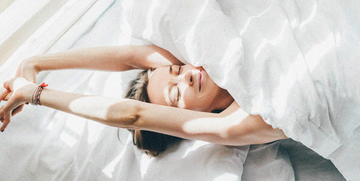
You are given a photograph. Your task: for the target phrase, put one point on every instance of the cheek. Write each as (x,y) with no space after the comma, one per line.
(189,101)
(194,102)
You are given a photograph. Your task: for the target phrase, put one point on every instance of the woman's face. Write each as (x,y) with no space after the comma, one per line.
(184,86)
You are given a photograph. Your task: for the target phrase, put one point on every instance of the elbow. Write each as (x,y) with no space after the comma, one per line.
(128,55)
(124,114)
(132,116)
(130,122)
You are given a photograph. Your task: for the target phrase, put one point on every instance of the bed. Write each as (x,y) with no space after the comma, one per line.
(44,144)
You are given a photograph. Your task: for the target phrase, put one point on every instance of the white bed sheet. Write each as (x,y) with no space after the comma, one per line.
(295,63)
(44,144)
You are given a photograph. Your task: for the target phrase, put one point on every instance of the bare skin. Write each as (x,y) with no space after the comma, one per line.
(231,127)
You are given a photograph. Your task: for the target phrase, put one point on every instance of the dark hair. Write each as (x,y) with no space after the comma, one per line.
(151,142)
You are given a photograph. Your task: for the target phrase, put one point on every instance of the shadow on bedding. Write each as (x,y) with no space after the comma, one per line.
(308,165)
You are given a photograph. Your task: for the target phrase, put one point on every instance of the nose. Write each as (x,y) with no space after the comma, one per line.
(187,78)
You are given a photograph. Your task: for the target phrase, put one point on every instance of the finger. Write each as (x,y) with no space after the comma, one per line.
(6,110)
(6,85)
(11,104)
(2,89)
(17,110)
(3,94)
(7,97)
(6,122)
(5,119)
(1,113)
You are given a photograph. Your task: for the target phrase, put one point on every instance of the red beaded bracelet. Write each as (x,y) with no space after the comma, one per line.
(35,100)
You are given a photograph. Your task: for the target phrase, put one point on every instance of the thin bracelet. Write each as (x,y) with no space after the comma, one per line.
(35,99)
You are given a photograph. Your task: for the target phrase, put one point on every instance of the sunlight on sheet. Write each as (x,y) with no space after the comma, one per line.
(311,17)
(94,130)
(66,127)
(227,176)
(149,20)
(68,139)
(190,37)
(73,123)
(125,35)
(294,23)
(145,162)
(194,147)
(114,86)
(251,18)
(314,55)
(338,39)
(73,129)
(286,82)
(317,52)
(109,169)
(232,52)
(51,125)
(274,41)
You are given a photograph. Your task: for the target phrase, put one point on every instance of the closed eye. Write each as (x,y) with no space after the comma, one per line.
(178,94)
(179,70)
(174,94)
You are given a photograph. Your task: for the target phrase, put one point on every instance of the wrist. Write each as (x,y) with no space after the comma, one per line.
(28,91)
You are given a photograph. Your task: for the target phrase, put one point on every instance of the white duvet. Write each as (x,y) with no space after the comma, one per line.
(295,63)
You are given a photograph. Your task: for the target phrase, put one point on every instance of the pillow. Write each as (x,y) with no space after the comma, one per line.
(195,160)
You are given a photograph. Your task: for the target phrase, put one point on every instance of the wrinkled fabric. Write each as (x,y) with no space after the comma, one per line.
(295,63)
(45,144)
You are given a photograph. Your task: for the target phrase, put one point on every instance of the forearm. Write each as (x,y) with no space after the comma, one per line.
(97,58)
(116,58)
(109,111)
(235,128)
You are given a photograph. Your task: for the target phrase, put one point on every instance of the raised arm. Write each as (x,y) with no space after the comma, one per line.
(232,127)
(116,58)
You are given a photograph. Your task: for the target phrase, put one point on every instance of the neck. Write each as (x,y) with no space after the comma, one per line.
(223,100)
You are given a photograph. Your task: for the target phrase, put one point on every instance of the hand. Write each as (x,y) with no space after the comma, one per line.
(28,71)
(17,92)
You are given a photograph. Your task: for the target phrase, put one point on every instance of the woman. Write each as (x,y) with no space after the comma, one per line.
(168,87)
(185,87)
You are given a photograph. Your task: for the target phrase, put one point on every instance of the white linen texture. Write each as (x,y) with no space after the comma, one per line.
(294,63)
